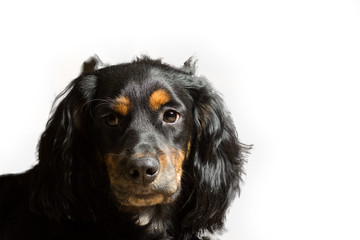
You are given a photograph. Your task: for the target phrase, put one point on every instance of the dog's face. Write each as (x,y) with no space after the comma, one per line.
(143,127)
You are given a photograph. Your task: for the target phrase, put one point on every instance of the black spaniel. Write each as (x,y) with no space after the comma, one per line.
(140,150)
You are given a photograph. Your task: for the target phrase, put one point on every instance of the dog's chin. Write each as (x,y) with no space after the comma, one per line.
(146,200)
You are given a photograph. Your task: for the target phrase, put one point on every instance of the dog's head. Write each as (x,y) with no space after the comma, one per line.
(141,134)
(142,120)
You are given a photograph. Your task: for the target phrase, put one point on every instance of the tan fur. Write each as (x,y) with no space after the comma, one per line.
(122,105)
(158,98)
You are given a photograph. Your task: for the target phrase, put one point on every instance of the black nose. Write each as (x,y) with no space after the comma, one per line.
(143,170)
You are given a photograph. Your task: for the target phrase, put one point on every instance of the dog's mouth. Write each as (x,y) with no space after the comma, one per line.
(150,199)
(145,198)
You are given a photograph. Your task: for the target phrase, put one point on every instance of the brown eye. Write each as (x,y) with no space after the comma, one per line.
(171,116)
(111,120)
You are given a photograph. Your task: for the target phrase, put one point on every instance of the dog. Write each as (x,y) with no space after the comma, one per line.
(140,150)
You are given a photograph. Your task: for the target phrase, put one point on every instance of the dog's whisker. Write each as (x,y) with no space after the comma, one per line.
(101,102)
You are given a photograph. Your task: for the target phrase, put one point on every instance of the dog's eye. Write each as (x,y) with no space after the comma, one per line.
(171,116)
(111,120)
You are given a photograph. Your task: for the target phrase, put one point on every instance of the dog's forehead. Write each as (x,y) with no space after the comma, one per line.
(142,86)
(132,78)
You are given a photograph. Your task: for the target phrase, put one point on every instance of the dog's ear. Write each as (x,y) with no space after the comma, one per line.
(59,145)
(217,160)
(190,66)
(92,64)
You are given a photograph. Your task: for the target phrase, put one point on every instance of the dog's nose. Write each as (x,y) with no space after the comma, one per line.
(143,170)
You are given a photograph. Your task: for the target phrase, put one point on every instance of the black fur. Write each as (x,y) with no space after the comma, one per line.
(69,195)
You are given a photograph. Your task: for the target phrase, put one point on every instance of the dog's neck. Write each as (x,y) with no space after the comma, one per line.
(145,216)
(149,217)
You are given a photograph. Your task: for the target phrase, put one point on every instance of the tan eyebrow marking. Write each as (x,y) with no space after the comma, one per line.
(122,105)
(158,98)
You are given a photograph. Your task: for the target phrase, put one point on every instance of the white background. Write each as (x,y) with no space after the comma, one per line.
(288,70)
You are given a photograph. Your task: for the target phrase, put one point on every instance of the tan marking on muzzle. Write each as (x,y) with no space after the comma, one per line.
(188,149)
(110,166)
(179,160)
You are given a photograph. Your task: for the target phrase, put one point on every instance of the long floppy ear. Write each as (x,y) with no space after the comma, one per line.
(216,161)
(59,148)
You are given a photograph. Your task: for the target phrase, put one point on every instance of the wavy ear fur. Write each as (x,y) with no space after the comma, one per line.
(217,160)
(59,145)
